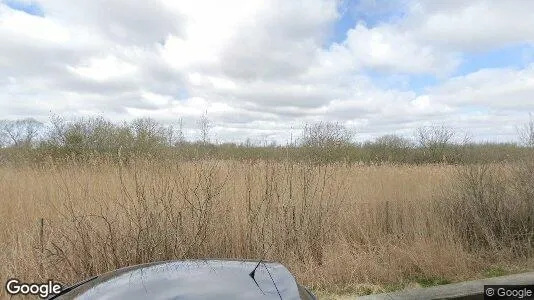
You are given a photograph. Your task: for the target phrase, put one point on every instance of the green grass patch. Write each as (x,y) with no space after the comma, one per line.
(425,281)
(495,272)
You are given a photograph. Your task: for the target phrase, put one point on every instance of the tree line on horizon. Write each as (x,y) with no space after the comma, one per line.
(319,141)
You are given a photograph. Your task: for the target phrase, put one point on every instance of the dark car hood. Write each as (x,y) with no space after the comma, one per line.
(192,279)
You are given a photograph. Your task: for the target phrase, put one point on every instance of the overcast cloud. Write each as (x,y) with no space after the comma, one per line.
(261,69)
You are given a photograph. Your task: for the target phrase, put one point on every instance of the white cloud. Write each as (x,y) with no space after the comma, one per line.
(434,34)
(387,48)
(122,21)
(103,69)
(260,68)
(19,25)
(473,25)
(492,88)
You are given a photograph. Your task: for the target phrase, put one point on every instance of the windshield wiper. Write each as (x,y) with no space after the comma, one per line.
(253,275)
(70,288)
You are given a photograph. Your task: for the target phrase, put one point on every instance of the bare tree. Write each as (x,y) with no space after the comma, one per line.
(86,134)
(148,133)
(204,125)
(4,139)
(526,132)
(325,134)
(57,130)
(248,143)
(170,135)
(434,140)
(175,135)
(392,141)
(180,139)
(468,139)
(20,133)
(434,136)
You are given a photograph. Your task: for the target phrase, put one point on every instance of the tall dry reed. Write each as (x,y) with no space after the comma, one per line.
(338,227)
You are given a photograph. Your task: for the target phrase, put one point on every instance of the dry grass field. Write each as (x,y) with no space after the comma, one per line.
(341,229)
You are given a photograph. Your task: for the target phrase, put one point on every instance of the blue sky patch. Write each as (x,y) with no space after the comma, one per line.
(182,94)
(376,12)
(507,57)
(370,12)
(29,7)
(417,83)
(341,27)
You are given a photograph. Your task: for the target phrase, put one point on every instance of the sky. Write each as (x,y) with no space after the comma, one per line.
(262,69)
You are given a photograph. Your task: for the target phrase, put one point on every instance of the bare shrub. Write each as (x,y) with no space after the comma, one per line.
(392,141)
(179,136)
(333,225)
(491,208)
(325,142)
(325,135)
(434,136)
(526,133)
(204,125)
(322,142)
(86,137)
(434,140)
(148,134)
(159,217)
(390,148)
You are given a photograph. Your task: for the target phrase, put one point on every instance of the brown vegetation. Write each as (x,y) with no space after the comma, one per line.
(339,227)
(28,141)
(81,197)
